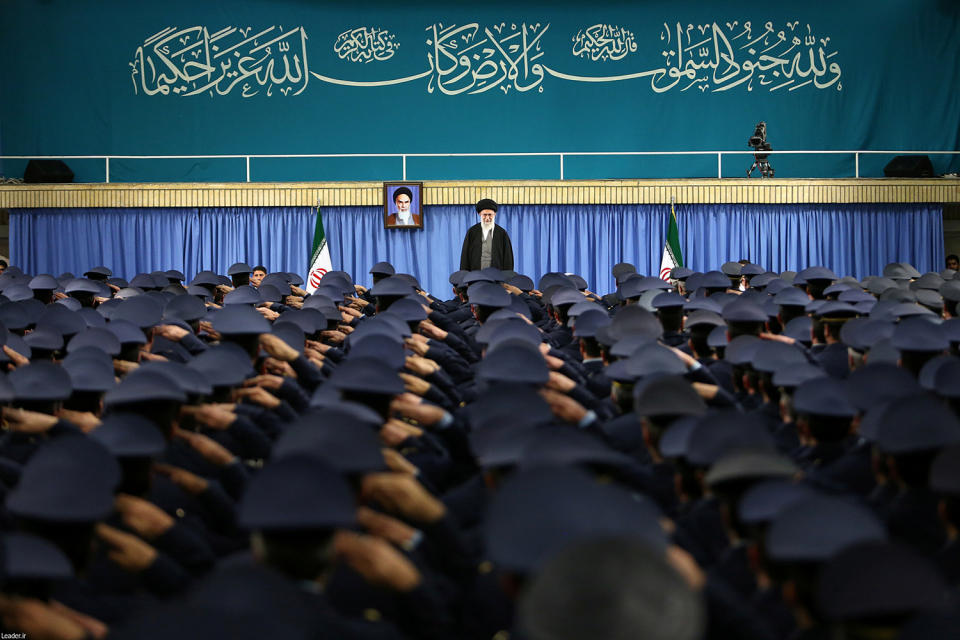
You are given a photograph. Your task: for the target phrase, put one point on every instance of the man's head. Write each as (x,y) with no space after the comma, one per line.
(402,198)
(487,209)
(953,262)
(259,273)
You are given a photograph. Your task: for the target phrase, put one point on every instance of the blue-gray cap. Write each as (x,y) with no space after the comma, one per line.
(31,558)
(571,506)
(379,347)
(879,381)
(565,296)
(921,335)
(771,356)
(514,331)
(795,374)
(862,333)
(383,269)
(128,435)
(762,502)
(126,332)
(102,339)
(142,311)
(521,363)
(90,374)
(588,322)
(800,329)
(223,365)
(916,423)
(240,319)
(816,273)
(723,432)
(823,397)
(634,287)
(244,294)
(239,267)
(44,337)
(668,300)
(338,438)
(750,465)
(393,286)
(741,349)
(294,494)
(187,308)
(633,320)
(41,381)
(791,297)
(144,387)
(667,395)
(744,311)
(366,375)
(488,295)
(817,528)
(69,479)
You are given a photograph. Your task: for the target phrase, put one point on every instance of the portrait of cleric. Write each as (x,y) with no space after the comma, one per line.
(402,205)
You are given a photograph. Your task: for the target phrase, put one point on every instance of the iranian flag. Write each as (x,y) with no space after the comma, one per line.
(672,256)
(319,258)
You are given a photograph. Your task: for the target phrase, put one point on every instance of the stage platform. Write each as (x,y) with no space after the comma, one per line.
(346,194)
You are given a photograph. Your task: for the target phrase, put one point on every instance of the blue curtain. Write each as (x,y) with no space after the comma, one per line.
(131,241)
(852,239)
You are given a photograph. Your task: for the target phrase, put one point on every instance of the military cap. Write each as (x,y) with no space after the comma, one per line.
(633,320)
(703,304)
(834,310)
(174,275)
(928,373)
(862,333)
(7,394)
(187,308)
(456,278)
(142,311)
(82,285)
(392,286)
(98,271)
(493,273)
(508,407)
(91,319)
(681,273)
(762,502)
(731,269)
(627,345)
(366,375)
(511,332)
(668,300)
(391,321)
(584,305)
(668,395)
(770,356)
(44,337)
(703,318)
(816,273)
(776,285)
(14,316)
(714,280)
(879,380)
(486,203)
(65,320)
(692,283)
(522,282)
(747,464)
(722,432)
(588,322)
(675,440)
(128,435)
(621,268)
(554,279)
(502,446)
(382,269)
(27,557)
(655,359)
(379,347)
(239,267)
(206,278)
(339,279)
(718,337)
(621,371)
(929,280)
(40,381)
(817,528)
(408,278)
(297,493)
(102,339)
(409,310)
(117,282)
(240,320)
(371,328)
(294,278)
(244,294)
(898,294)
(223,365)
(916,423)
(877,286)
(950,290)
(570,506)
(751,269)
(144,387)
(470,277)
(634,287)
(878,579)
(884,351)
(791,296)
(144,281)
(323,304)
(946,379)
(853,296)
(69,479)
(33,308)
(126,332)
(339,439)
(566,446)
(189,381)
(489,295)
(18,292)
(799,329)
(565,296)
(90,374)
(514,361)
(823,397)
(793,375)
(310,321)
(930,299)
(198,291)
(918,334)
(741,349)
(744,311)
(763,280)
(645,300)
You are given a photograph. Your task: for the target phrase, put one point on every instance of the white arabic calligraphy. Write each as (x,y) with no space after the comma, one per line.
(365,44)
(604,42)
(191,61)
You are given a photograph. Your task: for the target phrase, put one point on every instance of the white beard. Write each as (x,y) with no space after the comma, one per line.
(486,228)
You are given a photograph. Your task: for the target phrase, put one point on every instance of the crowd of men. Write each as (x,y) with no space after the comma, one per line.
(733,454)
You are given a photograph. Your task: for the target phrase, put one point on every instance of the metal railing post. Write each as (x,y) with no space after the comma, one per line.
(856,164)
(404,166)
(719,165)
(106,169)
(561,166)
(248,168)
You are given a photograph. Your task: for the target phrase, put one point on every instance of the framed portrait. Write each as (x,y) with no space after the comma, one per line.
(403,205)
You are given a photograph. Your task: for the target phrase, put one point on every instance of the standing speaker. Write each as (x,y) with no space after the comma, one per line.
(47,171)
(909,167)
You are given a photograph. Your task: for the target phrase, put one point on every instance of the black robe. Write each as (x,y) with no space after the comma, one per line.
(501,253)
